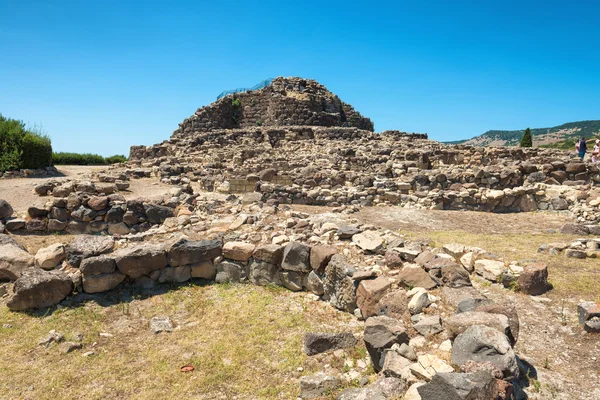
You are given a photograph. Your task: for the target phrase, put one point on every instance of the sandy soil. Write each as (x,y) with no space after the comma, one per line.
(397,218)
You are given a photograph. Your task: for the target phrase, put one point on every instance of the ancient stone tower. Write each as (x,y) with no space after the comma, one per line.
(285,102)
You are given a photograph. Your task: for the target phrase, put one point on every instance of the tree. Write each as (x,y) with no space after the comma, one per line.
(526,141)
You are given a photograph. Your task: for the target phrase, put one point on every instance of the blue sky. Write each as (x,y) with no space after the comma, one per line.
(101,76)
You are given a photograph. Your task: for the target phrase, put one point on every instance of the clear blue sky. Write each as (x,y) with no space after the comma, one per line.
(100,76)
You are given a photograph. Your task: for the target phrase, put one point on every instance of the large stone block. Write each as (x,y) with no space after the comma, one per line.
(140,261)
(36,288)
(185,252)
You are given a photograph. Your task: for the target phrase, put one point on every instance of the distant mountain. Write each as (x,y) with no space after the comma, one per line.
(562,136)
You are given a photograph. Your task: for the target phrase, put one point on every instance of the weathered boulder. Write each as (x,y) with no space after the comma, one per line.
(269,253)
(238,251)
(185,252)
(103,264)
(366,393)
(484,344)
(588,313)
(429,325)
(263,273)
(457,386)
(394,304)
(339,288)
(412,275)
(369,293)
(36,288)
(230,272)
(368,241)
(157,214)
(296,257)
(315,343)
(49,257)
(418,301)
(454,275)
(140,261)
(84,246)
(102,282)
(314,283)
(534,279)
(318,385)
(458,323)
(320,255)
(161,323)
(175,274)
(382,333)
(14,259)
(292,280)
(5,209)
(490,269)
(98,203)
(204,270)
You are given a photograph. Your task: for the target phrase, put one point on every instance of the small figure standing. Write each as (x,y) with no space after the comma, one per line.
(596,152)
(581,147)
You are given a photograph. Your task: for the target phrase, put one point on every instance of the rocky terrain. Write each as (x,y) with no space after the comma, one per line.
(298,201)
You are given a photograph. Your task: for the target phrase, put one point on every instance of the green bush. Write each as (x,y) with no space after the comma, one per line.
(117,158)
(37,151)
(21,147)
(63,158)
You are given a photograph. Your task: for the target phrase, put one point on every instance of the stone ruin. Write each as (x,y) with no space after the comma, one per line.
(294,142)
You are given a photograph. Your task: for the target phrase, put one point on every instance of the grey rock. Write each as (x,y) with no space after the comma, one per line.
(269,253)
(367,393)
(459,323)
(291,280)
(36,288)
(263,273)
(98,265)
(429,325)
(382,333)
(161,324)
(230,272)
(185,252)
(317,385)
(484,344)
(84,246)
(296,257)
(175,274)
(339,288)
(315,342)
(458,386)
(314,283)
(101,282)
(6,210)
(14,259)
(157,214)
(135,262)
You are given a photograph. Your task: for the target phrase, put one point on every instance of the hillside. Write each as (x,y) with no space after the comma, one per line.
(554,136)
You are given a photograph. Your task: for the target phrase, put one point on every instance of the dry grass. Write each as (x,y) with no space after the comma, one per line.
(244,342)
(571,278)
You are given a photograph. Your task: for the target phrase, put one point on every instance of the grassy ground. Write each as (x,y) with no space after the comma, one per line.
(244,342)
(579,279)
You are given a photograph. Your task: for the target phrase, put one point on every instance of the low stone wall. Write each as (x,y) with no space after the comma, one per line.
(30,173)
(82,212)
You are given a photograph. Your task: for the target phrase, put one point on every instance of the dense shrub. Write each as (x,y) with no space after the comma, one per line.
(117,158)
(21,147)
(85,159)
